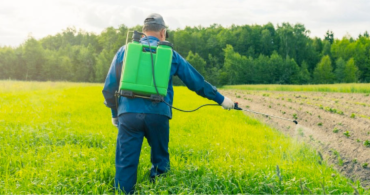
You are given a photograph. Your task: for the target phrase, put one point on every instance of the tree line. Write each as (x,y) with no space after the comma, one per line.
(247,54)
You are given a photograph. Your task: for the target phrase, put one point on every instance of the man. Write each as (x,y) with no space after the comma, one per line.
(138,118)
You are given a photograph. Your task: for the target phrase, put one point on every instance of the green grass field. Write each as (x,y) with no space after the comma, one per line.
(58,138)
(344,88)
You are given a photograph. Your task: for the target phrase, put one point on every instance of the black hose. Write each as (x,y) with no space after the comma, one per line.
(151,57)
(190,110)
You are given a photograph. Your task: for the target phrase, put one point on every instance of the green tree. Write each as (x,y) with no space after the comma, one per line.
(66,69)
(8,62)
(261,72)
(83,60)
(350,72)
(291,73)
(326,48)
(360,53)
(213,68)
(33,59)
(329,36)
(304,74)
(50,68)
(274,69)
(323,71)
(286,35)
(103,62)
(181,42)
(197,62)
(232,66)
(267,39)
(339,70)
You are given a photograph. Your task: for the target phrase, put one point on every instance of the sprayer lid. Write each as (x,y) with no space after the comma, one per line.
(165,43)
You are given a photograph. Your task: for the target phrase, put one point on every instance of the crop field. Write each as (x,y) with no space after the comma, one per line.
(336,124)
(57,138)
(343,88)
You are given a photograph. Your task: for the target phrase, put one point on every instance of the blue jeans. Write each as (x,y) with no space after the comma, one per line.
(133,127)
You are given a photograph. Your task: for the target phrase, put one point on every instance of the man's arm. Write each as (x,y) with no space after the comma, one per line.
(195,81)
(112,82)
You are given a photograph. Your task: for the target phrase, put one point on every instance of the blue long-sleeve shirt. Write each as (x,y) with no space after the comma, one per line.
(180,67)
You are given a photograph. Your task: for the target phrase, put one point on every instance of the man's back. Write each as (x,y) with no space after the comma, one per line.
(179,67)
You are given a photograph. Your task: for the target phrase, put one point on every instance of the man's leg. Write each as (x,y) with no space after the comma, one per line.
(157,133)
(129,141)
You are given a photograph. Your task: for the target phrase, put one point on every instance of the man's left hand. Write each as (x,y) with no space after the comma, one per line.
(227,104)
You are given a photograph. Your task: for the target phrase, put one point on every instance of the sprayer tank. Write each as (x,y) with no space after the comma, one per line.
(137,69)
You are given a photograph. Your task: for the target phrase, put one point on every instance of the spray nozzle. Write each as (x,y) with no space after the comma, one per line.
(236,106)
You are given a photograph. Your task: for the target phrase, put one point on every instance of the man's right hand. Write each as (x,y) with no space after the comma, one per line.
(227,104)
(115,122)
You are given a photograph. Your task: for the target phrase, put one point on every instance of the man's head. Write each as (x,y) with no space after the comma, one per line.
(154,26)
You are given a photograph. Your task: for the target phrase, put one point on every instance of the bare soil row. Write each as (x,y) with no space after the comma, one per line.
(336,124)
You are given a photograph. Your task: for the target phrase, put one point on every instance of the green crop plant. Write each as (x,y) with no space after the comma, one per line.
(367,143)
(340,160)
(335,130)
(347,134)
(364,165)
(333,110)
(57,138)
(353,115)
(319,124)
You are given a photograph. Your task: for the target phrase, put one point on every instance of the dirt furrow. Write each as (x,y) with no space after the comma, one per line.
(340,137)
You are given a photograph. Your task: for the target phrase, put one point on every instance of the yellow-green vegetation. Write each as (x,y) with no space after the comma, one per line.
(343,88)
(58,138)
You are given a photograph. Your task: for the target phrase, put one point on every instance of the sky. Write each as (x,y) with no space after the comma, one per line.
(20,19)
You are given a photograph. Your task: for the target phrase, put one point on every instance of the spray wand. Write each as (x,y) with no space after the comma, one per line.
(236,107)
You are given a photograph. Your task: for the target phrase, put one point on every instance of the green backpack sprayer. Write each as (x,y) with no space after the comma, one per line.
(146,69)
(146,73)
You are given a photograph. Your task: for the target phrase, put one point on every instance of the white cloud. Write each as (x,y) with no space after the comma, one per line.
(18,18)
